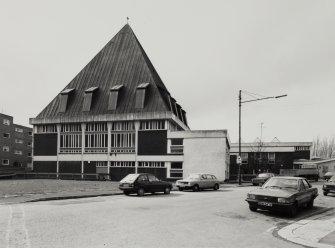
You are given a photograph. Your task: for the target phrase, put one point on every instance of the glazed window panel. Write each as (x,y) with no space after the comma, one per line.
(96,127)
(45,129)
(6,122)
(152,164)
(67,128)
(5,162)
(96,140)
(152,125)
(122,140)
(122,164)
(123,126)
(70,140)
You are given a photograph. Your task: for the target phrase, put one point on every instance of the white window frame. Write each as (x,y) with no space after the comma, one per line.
(5,163)
(5,149)
(19,130)
(18,152)
(6,122)
(18,141)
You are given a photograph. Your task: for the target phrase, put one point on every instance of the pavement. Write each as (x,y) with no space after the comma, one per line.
(315,231)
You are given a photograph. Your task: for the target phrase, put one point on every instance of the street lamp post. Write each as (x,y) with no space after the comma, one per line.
(239,160)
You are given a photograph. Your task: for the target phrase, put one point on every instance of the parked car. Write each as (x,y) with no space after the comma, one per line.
(198,181)
(143,183)
(261,178)
(329,186)
(328,175)
(283,194)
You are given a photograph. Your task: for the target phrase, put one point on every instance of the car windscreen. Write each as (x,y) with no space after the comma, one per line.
(332,179)
(329,174)
(285,183)
(193,176)
(130,178)
(263,175)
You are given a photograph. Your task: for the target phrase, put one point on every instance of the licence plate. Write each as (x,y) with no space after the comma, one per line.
(267,204)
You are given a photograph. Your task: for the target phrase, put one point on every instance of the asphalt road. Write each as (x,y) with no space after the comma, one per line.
(181,219)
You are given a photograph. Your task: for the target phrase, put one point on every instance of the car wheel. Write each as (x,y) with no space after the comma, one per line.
(294,210)
(140,192)
(252,208)
(216,187)
(126,192)
(196,187)
(325,193)
(180,189)
(310,204)
(167,190)
(254,184)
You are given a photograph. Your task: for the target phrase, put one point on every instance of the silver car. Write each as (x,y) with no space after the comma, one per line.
(198,181)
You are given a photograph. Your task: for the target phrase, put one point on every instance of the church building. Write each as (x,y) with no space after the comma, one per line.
(117,117)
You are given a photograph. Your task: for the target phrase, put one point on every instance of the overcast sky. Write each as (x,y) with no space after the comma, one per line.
(204,51)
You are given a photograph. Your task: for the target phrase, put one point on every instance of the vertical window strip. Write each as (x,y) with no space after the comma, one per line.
(70,140)
(46,129)
(152,125)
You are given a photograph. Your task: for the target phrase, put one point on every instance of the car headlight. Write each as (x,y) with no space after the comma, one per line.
(251,196)
(285,200)
(324,186)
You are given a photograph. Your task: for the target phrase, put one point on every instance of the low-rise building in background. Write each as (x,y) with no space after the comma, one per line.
(260,157)
(15,144)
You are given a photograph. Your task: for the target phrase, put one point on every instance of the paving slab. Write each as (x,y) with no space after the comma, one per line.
(316,231)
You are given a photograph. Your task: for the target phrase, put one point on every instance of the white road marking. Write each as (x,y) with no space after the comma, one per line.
(17,233)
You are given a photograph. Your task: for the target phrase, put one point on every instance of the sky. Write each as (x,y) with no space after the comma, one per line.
(204,51)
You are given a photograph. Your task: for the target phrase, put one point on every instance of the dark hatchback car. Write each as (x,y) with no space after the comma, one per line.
(329,187)
(283,194)
(261,178)
(328,175)
(143,183)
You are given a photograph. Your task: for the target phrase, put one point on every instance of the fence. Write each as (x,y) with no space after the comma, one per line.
(64,176)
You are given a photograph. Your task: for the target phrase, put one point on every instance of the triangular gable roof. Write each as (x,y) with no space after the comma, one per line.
(122,61)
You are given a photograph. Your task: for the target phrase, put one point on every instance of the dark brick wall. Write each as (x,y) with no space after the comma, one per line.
(152,142)
(90,167)
(69,167)
(302,155)
(45,144)
(45,166)
(117,173)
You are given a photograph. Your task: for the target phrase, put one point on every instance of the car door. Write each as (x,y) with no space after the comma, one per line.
(143,182)
(303,196)
(155,184)
(309,190)
(210,181)
(203,181)
(301,193)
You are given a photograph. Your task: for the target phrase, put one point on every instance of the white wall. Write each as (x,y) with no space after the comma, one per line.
(206,154)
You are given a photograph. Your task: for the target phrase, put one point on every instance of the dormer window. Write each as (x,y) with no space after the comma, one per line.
(63,101)
(184,116)
(140,95)
(88,98)
(114,96)
(179,113)
(173,106)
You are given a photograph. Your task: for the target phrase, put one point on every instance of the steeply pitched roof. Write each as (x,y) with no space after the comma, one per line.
(121,62)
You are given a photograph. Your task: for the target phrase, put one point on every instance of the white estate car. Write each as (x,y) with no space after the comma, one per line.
(198,181)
